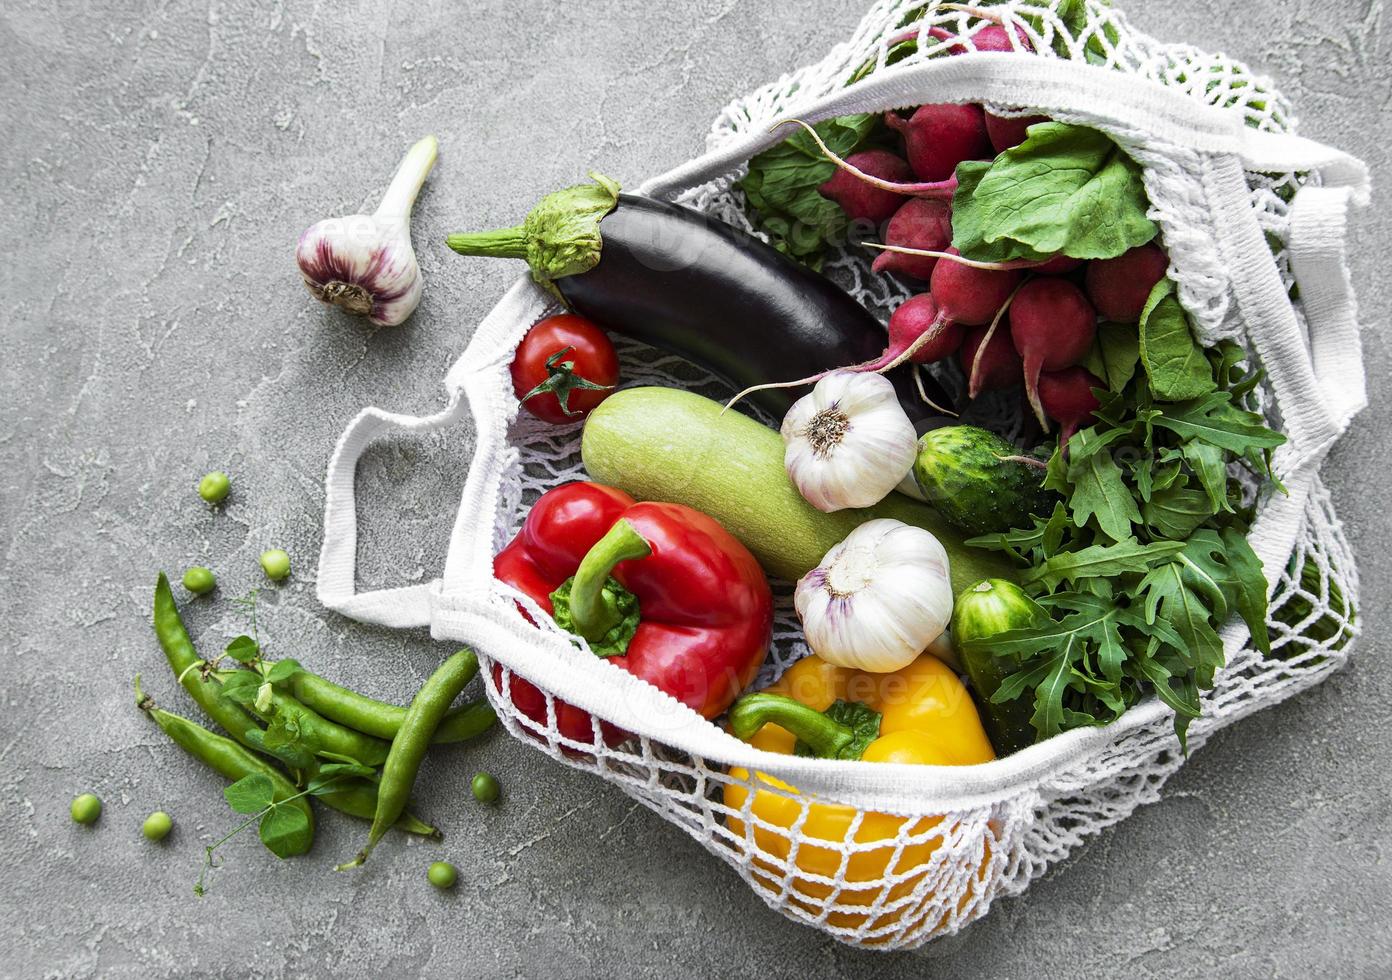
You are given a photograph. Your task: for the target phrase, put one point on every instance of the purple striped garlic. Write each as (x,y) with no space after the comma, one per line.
(879,598)
(364,263)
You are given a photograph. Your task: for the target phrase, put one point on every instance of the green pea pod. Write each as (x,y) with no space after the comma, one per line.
(423,717)
(358,798)
(294,756)
(470,720)
(232,762)
(323,737)
(183,659)
(378,718)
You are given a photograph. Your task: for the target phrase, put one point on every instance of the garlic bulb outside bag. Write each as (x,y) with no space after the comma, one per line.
(848,442)
(879,599)
(364,263)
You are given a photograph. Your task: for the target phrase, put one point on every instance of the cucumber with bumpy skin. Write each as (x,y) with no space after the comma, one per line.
(982,611)
(676,446)
(979,482)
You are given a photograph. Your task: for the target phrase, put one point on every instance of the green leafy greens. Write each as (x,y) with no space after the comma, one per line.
(1147,556)
(1065,189)
(781,186)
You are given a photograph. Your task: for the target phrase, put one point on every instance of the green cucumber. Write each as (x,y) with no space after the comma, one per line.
(676,446)
(981,611)
(979,482)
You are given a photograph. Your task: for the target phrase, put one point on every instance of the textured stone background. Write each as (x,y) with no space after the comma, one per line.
(159,160)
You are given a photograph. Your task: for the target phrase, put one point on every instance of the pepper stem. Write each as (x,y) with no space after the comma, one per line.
(593,609)
(410,175)
(505,243)
(827,738)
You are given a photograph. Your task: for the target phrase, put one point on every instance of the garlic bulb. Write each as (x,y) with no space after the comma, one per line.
(879,598)
(364,263)
(849,442)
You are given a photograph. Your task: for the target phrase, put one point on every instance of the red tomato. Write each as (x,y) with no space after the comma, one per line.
(564,362)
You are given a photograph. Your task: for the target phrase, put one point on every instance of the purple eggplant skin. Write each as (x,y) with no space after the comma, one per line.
(695,286)
(692,285)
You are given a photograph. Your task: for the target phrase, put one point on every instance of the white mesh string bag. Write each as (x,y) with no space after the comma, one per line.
(1248,212)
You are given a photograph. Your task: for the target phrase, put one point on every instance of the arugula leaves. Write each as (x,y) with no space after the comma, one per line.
(1066,189)
(1146,557)
(781,186)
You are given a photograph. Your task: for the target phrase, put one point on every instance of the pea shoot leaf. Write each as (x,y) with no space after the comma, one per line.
(282,670)
(285,830)
(240,685)
(293,755)
(243,649)
(1174,362)
(283,730)
(1066,189)
(250,794)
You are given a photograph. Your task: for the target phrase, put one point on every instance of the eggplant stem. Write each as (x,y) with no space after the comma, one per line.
(939,189)
(973,377)
(1011,266)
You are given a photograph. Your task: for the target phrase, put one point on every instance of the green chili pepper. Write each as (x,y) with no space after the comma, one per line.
(383,720)
(412,739)
(231,761)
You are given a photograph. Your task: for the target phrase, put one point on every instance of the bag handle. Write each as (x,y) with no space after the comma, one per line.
(1053,85)
(1317,249)
(407,606)
(473,381)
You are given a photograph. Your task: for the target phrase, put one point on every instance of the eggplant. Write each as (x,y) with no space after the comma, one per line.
(692,285)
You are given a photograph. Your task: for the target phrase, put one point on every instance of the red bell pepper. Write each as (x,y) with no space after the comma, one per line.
(661,590)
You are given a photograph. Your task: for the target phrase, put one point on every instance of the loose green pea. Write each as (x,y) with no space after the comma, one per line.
(275,563)
(199,580)
(86,808)
(442,875)
(214,487)
(484,787)
(157,825)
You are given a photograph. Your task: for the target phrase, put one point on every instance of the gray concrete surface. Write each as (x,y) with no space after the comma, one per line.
(158,161)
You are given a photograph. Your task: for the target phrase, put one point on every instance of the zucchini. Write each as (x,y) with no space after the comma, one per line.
(981,611)
(676,446)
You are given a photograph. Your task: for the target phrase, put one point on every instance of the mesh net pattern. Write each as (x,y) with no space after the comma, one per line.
(896,881)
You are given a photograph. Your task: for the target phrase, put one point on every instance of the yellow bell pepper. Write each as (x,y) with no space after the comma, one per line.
(920,714)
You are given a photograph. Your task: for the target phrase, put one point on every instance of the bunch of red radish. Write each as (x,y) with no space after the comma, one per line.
(1009,322)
